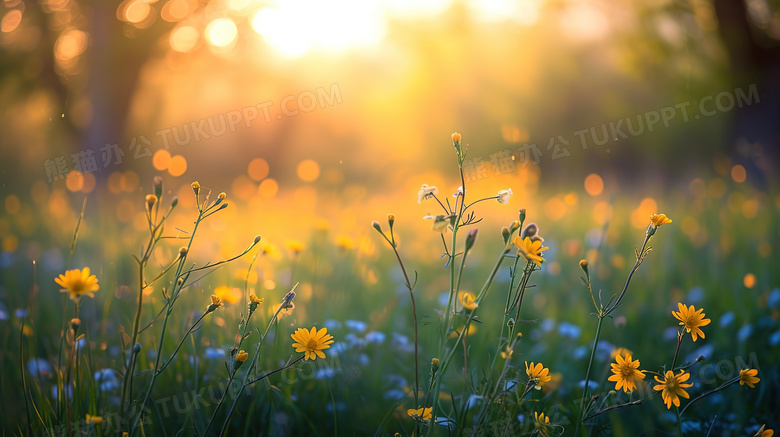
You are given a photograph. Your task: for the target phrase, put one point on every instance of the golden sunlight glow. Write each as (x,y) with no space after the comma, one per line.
(221,32)
(584,23)
(294,28)
(523,12)
(416,9)
(184,38)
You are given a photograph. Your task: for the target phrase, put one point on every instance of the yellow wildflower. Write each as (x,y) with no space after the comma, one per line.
(78,283)
(671,387)
(530,250)
(692,319)
(538,373)
(748,376)
(466,299)
(420,413)
(626,373)
(311,343)
(659,219)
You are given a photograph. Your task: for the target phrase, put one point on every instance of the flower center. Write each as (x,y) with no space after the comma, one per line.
(627,372)
(311,345)
(77,285)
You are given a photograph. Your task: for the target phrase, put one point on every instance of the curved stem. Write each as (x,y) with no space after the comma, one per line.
(170,360)
(704,395)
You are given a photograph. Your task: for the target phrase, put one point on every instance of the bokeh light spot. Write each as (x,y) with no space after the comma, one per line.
(177,166)
(89,183)
(738,173)
(268,188)
(183,39)
(640,218)
(74,181)
(137,11)
(750,208)
(749,280)
(221,32)
(129,181)
(258,169)
(12,204)
(555,208)
(161,159)
(308,170)
(697,187)
(70,44)
(11,20)
(594,185)
(243,187)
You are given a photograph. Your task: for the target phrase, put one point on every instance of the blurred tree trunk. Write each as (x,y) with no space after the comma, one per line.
(754,59)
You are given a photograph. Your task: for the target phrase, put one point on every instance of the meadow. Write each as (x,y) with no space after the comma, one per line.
(426,311)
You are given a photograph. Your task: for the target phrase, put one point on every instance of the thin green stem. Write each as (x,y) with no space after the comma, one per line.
(587,374)
(445,362)
(170,360)
(704,395)
(254,362)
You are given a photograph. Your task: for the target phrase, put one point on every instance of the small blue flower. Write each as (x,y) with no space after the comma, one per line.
(214,353)
(726,319)
(375,337)
(356,325)
(744,332)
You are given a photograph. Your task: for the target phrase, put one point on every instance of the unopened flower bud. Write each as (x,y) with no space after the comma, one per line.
(183,252)
(505,233)
(137,348)
(456,137)
(529,231)
(195,187)
(471,238)
(391,220)
(435,362)
(521,215)
(376,226)
(151,199)
(584,266)
(511,322)
(222,196)
(75,323)
(257,239)
(158,186)
(515,226)
(174,201)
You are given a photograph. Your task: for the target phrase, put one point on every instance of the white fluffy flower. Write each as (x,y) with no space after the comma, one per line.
(504,195)
(426,191)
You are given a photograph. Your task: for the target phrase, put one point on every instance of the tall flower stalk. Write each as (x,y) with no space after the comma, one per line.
(604,310)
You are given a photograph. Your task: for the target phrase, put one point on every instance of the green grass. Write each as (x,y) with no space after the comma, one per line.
(364,387)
